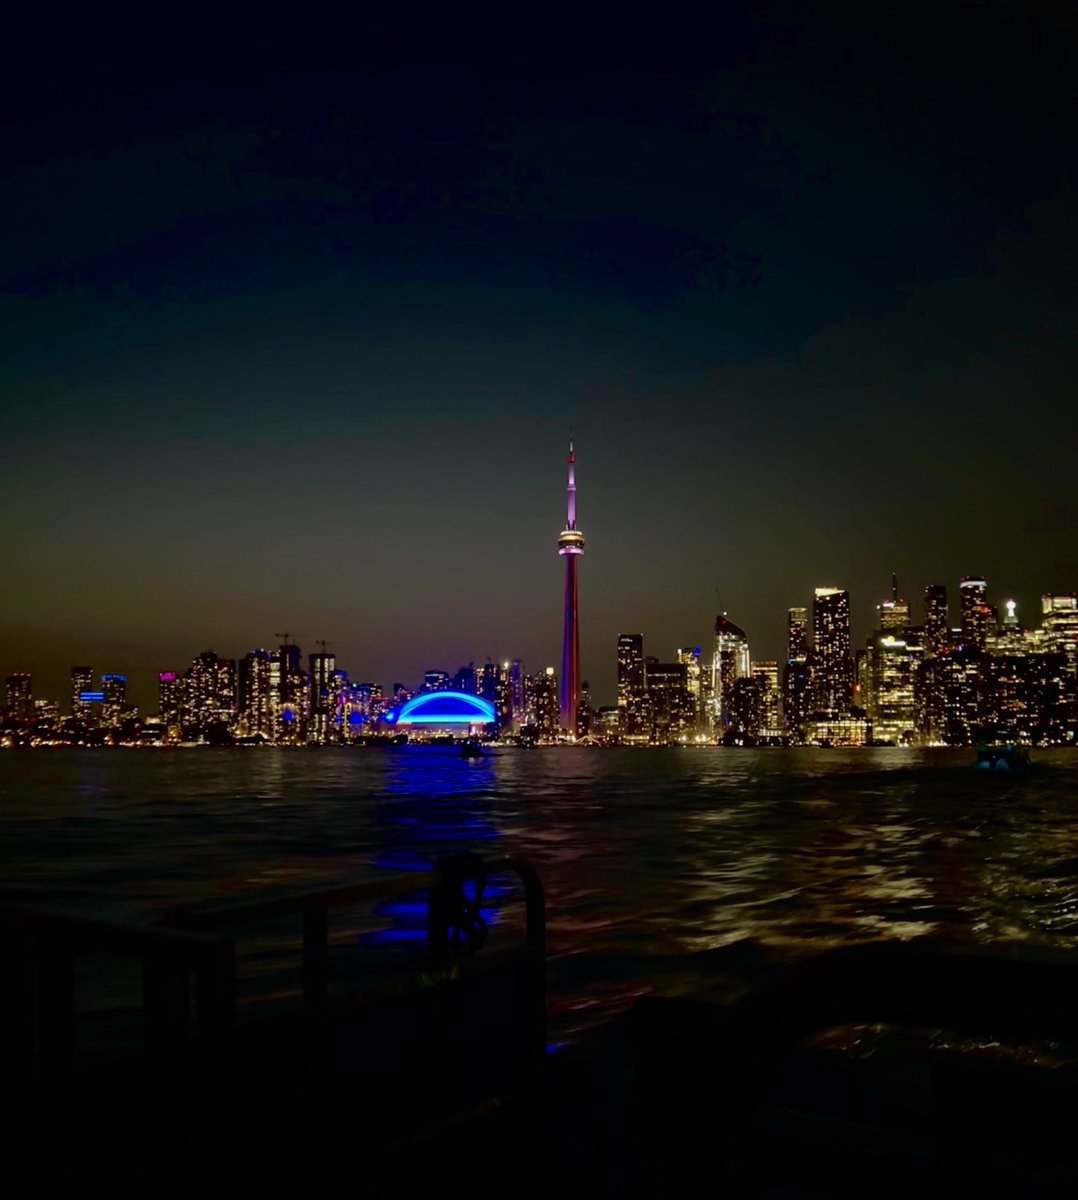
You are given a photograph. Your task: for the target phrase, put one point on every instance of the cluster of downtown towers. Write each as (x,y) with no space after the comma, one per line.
(920,681)
(916,681)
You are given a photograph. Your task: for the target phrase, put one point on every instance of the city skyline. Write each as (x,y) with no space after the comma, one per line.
(299,349)
(964,606)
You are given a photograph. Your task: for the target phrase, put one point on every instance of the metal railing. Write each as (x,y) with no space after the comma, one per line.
(1012,993)
(38,995)
(38,1003)
(444,887)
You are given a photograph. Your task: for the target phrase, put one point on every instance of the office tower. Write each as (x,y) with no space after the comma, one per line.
(893,664)
(254,699)
(767,674)
(669,704)
(20,700)
(690,657)
(1059,635)
(584,710)
(516,683)
(114,701)
(949,694)
(937,635)
(570,547)
(729,663)
(547,704)
(209,696)
(795,675)
(169,697)
(466,680)
(976,614)
(435,681)
(82,680)
(831,665)
(631,695)
(893,614)
(1059,625)
(797,640)
(486,683)
(320,705)
(745,711)
(289,690)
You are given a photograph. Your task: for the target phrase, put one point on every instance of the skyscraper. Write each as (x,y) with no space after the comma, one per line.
(729,663)
(20,700)
(631,684)
(115,689)
(797,642)
(937,638)
(169,694)
(831,664)
(322,668)
(570,547)
(255,697)
(976,614)
(893,614)
(82,680)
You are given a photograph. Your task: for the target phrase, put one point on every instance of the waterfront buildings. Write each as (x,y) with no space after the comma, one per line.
(632,712)
(730,662)
(937,631)
(831,666)
(19,696)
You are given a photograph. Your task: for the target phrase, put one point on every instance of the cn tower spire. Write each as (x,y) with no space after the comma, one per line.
(571,519)
(570,547)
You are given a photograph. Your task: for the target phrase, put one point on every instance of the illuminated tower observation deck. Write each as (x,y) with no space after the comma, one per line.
(570,547)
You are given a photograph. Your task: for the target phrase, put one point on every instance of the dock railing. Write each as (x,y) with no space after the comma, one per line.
(38,994)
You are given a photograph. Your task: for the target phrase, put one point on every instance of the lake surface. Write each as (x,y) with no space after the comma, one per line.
(646,854)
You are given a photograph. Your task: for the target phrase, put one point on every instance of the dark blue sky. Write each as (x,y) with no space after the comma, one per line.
(295,326)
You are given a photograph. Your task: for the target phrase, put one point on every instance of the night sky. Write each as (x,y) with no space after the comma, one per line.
(296,322)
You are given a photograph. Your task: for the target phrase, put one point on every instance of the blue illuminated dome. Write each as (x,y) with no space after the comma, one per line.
(443,708)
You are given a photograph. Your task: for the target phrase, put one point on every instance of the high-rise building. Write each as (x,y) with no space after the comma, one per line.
(831,664)
(937,634)
(435,681)
(976,613)
(892,664)
(570,547)
(289,691)
(729,663)
(209,696)
(671,712)
(20,700)
(893,614)
(797,638)
(516,682)
(546,703)
(115,700)
(322,668)
(169,697)
(795,676)
(631,694)
(82,680)
(767,675)
(466,680)
(255,699)
(690,657)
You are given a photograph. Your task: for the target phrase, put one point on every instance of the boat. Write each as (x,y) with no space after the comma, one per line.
(1002,758)
(470,748)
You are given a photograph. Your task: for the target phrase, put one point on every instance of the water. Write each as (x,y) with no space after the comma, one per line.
(646,855)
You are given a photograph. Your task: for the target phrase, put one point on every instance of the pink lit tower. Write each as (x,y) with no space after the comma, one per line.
(570,547)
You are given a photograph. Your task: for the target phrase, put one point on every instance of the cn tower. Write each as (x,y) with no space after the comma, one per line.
(570,547)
